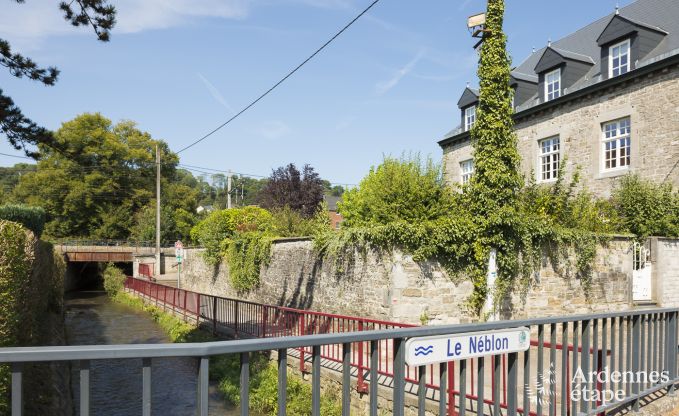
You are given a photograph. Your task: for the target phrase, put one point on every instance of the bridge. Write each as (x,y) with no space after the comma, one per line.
(370,355)
(80,251)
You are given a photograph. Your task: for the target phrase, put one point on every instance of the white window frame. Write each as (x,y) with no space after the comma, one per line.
(556,92)
(549,158)
(469,117)
(616,144)
(619,68)
(466,171)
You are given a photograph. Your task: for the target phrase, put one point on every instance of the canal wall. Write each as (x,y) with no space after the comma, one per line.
(392,286)
(31,314)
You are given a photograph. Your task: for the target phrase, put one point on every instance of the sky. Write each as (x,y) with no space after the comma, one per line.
(179,68)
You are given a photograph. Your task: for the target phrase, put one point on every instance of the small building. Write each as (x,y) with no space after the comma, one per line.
(335,217)
(605,97)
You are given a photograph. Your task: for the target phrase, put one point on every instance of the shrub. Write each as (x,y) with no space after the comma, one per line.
(214,231)
(114,280)
(646,208)
(30,217)
(405,189)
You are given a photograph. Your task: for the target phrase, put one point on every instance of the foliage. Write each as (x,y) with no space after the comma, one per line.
(20,130)
(31,291)
(214,232)
(175,224)
(397,190)
(246,253)
(287,186)
(9,178)
(96,194)
(647,209)
(286,222)
(32,218)
(114,279)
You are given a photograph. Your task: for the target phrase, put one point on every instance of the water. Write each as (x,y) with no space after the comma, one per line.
(116,385)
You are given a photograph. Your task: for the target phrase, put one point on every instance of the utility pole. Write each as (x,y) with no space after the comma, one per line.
(228,190)
(158,254)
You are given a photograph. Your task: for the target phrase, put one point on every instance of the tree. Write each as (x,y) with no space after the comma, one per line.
(20,130)
(113,178)
(287,186)
(397,190)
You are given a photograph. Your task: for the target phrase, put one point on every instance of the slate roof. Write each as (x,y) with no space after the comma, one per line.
(659,15)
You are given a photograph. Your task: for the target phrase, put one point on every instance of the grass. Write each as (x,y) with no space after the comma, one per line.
(225,369)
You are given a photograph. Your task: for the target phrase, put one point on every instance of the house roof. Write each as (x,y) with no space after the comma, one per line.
(658,15)
(332,201)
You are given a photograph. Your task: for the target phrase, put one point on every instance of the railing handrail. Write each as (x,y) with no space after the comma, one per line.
(206,349)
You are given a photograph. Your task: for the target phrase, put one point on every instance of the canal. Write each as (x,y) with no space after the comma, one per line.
(116,385)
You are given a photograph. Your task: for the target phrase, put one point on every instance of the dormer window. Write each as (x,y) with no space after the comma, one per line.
(618,56)
(553,84)
(469,117)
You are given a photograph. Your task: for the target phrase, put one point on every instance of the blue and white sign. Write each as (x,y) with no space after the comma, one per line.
(442,348)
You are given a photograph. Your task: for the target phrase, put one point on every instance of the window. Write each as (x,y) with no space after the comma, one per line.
(549,158)
(469,117)
(467,170)
(616,144)
(618,59)
(553,85)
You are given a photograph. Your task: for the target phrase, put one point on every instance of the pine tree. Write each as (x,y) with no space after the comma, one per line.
(19,129)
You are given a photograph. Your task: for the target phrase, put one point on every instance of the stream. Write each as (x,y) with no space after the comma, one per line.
(116,385)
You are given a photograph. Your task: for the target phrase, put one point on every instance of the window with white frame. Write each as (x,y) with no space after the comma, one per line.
(466,171)
(549,158)
(553,85)
(618,59)
(616,144)
(469,117)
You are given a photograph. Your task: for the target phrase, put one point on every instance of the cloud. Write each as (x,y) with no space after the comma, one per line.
(40,19)
(383,87)
(274,130)
(215,93)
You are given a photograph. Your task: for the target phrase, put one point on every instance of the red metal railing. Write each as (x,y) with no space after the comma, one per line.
(249,319)
(145,270)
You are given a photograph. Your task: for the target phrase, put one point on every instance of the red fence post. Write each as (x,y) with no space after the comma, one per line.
(235,317)
(451,389)
(186,317)
(197,308)
(302,363)
(265,316)
(214,315)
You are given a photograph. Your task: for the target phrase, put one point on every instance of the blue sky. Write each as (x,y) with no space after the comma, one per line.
(179,68)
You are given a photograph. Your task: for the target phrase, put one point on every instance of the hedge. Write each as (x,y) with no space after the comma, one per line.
(32,218)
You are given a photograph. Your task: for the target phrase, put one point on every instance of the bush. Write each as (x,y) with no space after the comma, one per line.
(213,232)
(114,280)
(646,208)
(405,189)
(32,218)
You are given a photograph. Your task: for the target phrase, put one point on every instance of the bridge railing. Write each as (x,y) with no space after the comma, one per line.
(647,342)
(594,343)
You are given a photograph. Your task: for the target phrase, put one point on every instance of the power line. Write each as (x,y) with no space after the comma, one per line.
(246,108)
(17,156)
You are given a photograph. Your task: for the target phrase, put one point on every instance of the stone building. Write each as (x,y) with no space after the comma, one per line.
(604,98)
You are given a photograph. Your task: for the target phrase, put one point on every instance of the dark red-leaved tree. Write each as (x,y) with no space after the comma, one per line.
(287,186)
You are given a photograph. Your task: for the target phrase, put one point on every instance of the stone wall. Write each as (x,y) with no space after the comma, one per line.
(650,103)
(393,287)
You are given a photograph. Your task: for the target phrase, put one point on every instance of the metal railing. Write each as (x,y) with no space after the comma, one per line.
(639,341)
(596,343)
